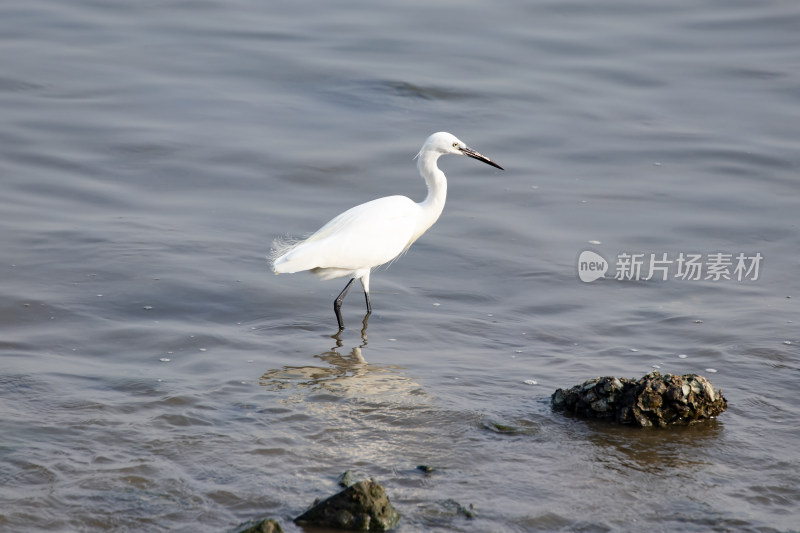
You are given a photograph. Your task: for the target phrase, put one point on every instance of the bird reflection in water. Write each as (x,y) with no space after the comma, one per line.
(347,373)
(338,334)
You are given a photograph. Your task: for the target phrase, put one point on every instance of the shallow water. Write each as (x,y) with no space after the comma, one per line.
(157,377)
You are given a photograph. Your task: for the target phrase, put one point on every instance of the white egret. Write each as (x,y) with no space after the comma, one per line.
(376,232)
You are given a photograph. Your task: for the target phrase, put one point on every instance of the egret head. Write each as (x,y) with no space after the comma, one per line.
(447,143)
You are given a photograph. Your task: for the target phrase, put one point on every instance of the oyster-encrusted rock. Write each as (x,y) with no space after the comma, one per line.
(654,400)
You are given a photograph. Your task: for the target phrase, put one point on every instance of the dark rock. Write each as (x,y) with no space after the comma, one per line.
(426,468)
(262,525)
(469,512)
(363,506)
(654,400)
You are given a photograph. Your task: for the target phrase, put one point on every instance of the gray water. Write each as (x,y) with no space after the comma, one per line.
(155,375)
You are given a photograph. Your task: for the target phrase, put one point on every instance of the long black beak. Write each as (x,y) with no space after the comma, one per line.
(480,157)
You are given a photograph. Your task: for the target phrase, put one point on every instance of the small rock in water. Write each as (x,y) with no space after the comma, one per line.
(261,525)
(654,400)
(363,506)
(426,468)
(469,512)
(346,479)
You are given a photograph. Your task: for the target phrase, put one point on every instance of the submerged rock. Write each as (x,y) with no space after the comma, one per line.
(362,506)
(469,512)
(654,400)
(262,525)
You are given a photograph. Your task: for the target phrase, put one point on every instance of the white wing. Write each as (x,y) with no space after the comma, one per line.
(363,237)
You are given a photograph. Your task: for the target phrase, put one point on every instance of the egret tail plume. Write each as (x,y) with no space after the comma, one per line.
(280,247)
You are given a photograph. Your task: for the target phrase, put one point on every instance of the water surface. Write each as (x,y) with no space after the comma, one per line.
(155,376)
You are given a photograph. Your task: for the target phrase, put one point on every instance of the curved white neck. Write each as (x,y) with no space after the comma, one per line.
(433,204)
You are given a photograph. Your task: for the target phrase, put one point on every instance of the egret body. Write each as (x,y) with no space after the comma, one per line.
(374,233)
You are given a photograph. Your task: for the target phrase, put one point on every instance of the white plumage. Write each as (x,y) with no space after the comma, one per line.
(376,232)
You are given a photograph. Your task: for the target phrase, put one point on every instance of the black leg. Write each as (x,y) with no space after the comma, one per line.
(369,305)
(337,303)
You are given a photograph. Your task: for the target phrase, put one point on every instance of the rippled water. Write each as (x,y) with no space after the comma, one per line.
(157,377)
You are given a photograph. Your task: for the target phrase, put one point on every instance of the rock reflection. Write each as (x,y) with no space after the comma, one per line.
(682,448)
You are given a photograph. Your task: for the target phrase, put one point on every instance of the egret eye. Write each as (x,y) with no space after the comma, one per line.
(455,145)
